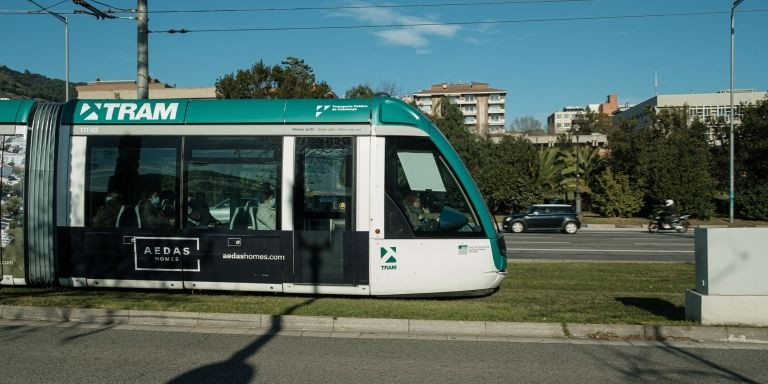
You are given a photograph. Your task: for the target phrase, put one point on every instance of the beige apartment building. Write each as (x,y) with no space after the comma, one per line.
(481,105)
(126,89)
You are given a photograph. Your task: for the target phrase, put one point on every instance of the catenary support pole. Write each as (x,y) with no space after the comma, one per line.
(731,192)
(142,53)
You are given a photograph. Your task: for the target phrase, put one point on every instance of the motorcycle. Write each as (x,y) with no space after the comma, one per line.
(679,224)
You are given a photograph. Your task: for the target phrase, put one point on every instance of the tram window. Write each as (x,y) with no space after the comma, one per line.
(132,181)
(425,191)
(233,182)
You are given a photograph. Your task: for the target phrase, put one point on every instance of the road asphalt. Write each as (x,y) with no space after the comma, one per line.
(324,326)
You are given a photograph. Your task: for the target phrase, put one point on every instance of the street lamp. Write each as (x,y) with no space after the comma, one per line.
(66,46)
(575,128)
(734,4)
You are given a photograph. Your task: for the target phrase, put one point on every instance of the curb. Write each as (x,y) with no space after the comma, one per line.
(389,326)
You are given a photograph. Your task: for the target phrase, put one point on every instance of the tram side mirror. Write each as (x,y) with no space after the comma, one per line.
(451,220)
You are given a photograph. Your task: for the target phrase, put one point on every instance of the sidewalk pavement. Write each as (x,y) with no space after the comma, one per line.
(388,328)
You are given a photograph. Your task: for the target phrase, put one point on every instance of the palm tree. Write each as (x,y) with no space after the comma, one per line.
(548,174)
(589,162)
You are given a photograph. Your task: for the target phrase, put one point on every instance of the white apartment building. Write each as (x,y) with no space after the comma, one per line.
(560,121)
(481,105)
(703,106)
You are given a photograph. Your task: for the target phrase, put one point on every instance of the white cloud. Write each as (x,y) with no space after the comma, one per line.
(417,37)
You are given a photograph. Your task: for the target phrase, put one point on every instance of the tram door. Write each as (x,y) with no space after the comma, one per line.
(323,210)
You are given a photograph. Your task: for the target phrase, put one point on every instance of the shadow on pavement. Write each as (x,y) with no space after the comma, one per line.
(236,369)
(656,306)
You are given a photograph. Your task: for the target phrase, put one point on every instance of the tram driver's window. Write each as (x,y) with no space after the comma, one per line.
(233,183)
(423,198)
(132,182)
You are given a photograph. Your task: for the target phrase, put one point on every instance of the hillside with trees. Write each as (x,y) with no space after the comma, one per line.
(28,85)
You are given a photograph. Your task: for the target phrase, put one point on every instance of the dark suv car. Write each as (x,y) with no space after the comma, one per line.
(544,217)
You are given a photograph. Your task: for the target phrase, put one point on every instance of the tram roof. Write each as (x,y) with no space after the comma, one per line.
(15,112)
(242,111)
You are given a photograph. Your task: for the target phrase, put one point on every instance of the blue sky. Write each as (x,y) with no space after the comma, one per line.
(543,65)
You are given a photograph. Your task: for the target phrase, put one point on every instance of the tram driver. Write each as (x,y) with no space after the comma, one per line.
(413,209)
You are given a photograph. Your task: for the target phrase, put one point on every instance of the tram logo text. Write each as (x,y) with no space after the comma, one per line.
(320,109)
(388,254)
(128,111)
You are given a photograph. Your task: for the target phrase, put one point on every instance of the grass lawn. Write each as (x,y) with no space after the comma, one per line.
(536,292)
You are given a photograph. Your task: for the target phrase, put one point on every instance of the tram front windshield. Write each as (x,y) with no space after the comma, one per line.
(422,188)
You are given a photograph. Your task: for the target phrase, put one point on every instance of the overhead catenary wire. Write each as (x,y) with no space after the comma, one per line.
(112,8)
(432,24)
(369,6)
(327,8)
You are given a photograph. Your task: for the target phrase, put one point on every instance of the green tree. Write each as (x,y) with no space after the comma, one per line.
(673,163)
(361,91)
(505,178)
(292,79)
(751,143)
(296,80)
(450,121)
(752,200)
(751,161)
(591,122)
(12,205)
(253,83)
(615,196)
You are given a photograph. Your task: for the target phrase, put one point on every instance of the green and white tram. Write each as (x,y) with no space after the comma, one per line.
(348,197)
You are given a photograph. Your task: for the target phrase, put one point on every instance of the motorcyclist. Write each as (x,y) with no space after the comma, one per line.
(669,213)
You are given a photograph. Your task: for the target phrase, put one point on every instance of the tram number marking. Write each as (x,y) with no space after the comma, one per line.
(234,242)
(88,130)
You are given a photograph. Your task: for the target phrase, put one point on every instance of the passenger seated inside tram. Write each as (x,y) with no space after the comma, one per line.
(200,212)
(106,215)
(151,214)
(266,216)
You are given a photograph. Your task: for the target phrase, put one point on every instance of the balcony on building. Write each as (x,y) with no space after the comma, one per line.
(495,99)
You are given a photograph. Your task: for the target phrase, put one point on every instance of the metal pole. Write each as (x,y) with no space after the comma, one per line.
(66,59)
(578,178)
(731,192)
(142,52)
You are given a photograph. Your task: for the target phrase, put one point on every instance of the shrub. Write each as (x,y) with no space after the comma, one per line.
(753,201)
(614,195)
